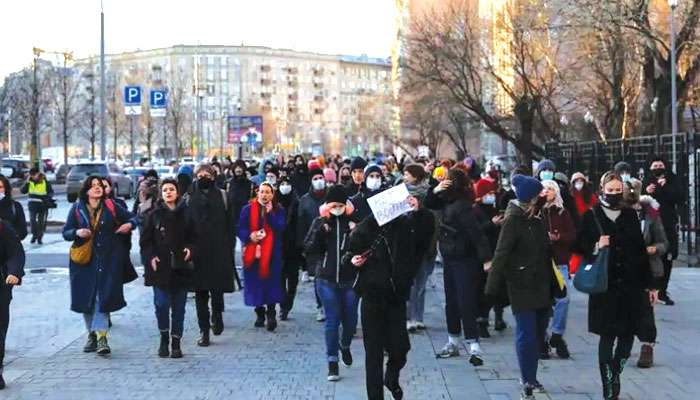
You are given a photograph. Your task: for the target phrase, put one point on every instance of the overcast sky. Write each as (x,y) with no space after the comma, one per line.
(352,27)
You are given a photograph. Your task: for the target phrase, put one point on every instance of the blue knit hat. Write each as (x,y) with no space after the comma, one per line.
(526,188)
(187,170)
(545,165)
(372,168)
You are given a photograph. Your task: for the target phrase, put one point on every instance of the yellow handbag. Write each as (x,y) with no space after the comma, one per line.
(82,254)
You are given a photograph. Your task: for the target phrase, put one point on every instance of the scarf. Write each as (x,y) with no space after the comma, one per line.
(261,251)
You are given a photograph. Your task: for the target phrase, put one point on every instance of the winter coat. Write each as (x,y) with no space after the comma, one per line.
(521,263)
(584,201)
(397,249)
(558,220)
(359,202)
(301,181)
(213,229)
(670,196)
(164,232)
(240,191)
(490,229)
(12,257)
(291,250)
(103,276)
(617,311)
(308,211)
(654,235)
(12,212)
(324,248)
(352,188)
(262,285)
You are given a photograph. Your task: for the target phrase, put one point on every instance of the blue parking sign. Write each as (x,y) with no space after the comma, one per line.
(158,98)
(132,95)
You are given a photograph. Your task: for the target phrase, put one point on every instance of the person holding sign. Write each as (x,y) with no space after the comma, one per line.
(372,185)
(387,257)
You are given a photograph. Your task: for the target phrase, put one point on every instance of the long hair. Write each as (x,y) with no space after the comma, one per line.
(558,201)
(87,184)
(8,187)
(275,202)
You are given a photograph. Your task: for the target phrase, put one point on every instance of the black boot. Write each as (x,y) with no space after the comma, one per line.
(484,329)
(391,382)
(2,382)
(560,347)
(176,351)
(91,344)
(284,314)
(271,319)
(164,342)
(203,339)
(260,319)
(217,323)
(618,366)
(607,377)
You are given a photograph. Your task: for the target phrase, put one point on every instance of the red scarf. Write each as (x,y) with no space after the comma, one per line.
(250,250)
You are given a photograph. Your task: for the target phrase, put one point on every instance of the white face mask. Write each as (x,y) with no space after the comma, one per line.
(338,211)
(285,189)
(625,177)
(578,185)
(374,183)
(489,199)
(2,195)
(318,184)
(546,175)
(272,180)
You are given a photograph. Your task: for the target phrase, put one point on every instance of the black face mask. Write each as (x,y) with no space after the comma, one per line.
(614,200)
(345,179)
(659,172)
(541,201)
(205,183)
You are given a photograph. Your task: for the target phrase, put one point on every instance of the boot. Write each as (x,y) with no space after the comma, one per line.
(217,323)
(562,350)
(499,324)
(260,320)
(646,356)
(284,314)
(164,342)
(544,350)
(176,351)
(607,376)
(484,328)
(391,382)
(203,339)
(271,319)
(2,382)
(91,344)
(102,346)
(618,366)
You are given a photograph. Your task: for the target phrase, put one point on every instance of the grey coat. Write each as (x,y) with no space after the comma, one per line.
(654,234)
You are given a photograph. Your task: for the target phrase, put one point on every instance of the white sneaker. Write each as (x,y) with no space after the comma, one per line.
(411,326)
(304,276)
(475,354)
(320,315)
(420,326)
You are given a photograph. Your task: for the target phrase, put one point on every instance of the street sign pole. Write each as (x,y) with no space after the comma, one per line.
(131,138)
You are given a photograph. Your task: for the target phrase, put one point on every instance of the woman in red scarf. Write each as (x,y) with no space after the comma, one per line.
(260,230)
(584,198)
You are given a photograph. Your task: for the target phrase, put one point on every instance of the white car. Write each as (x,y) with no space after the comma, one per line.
(166,172)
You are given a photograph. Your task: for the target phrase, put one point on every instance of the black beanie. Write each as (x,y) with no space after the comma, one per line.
(314,172)
(336,194)
(358,163)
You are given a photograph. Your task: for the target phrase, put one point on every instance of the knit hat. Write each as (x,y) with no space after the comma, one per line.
(358,163)
(314,164)
(329,175)
(186,170)
(621,167)
(526,188)
(483,187)
(336,194)
(372,168)
(578,175)
(545,165)
(316,171)
(151,173)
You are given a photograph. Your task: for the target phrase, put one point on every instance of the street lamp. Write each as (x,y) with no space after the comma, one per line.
(674,111)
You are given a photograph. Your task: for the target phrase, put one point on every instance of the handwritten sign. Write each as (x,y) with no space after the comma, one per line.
(389,204)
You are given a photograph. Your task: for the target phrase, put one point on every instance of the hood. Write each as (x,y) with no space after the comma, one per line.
(515,209)
(648,201)
(181,204)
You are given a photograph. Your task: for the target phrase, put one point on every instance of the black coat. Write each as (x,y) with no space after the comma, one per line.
(397,250)
(240,191)
(308,211)
(301,181)
(617,311)
(324,247)
(12,256)
(670,196)
(12,212)
(291,251)
(359,201)
(214,235)
(166,231)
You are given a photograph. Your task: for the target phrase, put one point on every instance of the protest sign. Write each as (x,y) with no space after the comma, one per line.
(389,204)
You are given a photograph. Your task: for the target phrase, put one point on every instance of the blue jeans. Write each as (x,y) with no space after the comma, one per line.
(416,303)
(561,306)
(96,321)
(530,327)
(340,304)
(170,302)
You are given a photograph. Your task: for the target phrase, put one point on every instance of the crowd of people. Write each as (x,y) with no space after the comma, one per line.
(500,237)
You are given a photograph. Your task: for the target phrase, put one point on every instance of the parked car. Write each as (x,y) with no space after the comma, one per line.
(123,186)
(166,172)
(136,175)
(62,173)
(16,168)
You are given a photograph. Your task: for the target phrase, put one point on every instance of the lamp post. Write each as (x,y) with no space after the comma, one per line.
(674,107)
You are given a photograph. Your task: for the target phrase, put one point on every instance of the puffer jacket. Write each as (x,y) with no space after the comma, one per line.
(324,247)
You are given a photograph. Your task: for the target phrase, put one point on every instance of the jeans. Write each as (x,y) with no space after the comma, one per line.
(201,300)
(170,302)
(462,279)
(290,281)
(5,298)
(416,303)
(530,327)
(383,328)
(96,321)
(561,306)
(340,304)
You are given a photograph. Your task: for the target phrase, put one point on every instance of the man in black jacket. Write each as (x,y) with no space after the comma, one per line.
(388,258)
(11,273)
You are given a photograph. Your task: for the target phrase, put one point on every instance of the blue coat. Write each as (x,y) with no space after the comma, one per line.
(103,275)
(258,291)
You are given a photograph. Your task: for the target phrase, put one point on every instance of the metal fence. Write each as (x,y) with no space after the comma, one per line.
(594,158)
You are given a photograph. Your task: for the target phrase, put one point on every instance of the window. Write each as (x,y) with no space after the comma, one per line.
(210,74)
(210,60)
(224,89)
(224,61)
(224,74)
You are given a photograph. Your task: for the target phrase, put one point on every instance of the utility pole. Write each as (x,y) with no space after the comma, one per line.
(66,56)
(34,149)
(103,120)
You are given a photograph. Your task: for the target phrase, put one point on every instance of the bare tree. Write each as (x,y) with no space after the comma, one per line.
(178,112)
(115,115)
(65,85)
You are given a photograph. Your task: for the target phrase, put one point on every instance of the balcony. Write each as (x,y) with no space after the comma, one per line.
(292,70)
(265,68)
(265,82)
(293,83)
(318,98)
(293,96)
(317,70)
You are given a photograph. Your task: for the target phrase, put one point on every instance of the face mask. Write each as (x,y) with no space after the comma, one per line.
(658,172)
(578,186)
(625,177)
(318,184)
(272,180)
(2,196)
(204,183)
(613,200)
(374,183)
(285,189)
(338,211)
(546,175)
(489,199)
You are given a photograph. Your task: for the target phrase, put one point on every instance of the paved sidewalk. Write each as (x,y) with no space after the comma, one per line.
(45,360)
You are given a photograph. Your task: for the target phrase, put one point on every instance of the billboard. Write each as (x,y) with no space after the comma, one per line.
(245,129)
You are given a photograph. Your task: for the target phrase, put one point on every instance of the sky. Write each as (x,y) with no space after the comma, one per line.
(352,27)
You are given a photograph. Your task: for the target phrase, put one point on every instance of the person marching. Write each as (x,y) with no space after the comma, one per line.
(167,242)
(261,230)
(12,259)
(288,199)
(40,191)
(96,264)
(334,278)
